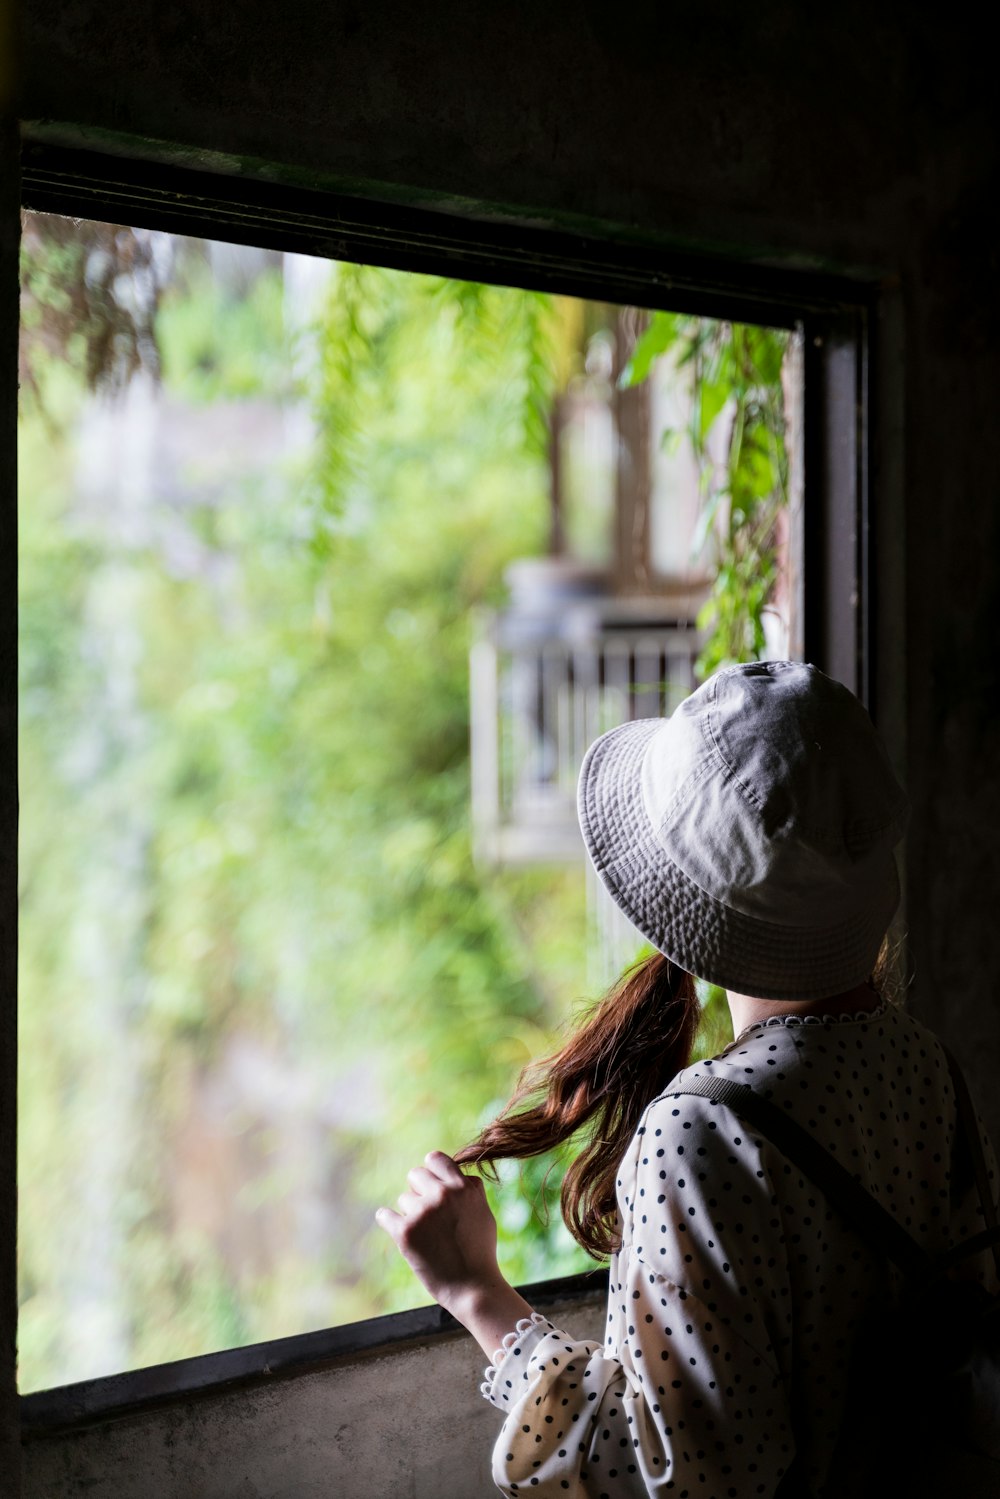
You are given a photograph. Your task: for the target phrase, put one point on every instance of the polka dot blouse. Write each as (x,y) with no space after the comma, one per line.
(736,1293)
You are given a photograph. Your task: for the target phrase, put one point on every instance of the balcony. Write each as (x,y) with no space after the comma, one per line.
(566,660)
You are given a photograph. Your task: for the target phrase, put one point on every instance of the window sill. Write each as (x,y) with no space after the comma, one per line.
(94,1401)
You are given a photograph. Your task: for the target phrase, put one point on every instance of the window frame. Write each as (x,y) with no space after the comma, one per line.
(836,315)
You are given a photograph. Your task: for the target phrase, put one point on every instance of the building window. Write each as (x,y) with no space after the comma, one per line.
(281,931)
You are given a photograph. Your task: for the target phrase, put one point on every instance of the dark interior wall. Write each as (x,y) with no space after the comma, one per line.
(821,132)
(858,138)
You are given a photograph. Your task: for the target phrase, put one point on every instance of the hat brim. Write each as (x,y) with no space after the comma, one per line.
(696,931)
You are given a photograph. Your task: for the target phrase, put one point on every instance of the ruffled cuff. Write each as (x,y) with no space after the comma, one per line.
(515,1344)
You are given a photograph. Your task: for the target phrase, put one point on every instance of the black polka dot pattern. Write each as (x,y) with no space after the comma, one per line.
(736,1295)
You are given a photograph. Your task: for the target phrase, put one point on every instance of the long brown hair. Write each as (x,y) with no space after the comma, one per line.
(610,1069)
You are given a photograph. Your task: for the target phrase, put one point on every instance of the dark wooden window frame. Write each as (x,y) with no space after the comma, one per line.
(836,316)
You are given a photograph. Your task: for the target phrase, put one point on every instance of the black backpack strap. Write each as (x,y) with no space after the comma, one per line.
(857,1205)
(968,1127)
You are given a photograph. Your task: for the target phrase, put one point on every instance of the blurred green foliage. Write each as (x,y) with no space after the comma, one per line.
(220,343)
(245,813)
(245,790)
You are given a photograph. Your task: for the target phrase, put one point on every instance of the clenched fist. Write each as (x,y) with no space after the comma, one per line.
(444,1229)
(447,1234)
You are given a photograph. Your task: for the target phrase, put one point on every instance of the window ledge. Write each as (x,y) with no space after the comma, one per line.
(94,1401)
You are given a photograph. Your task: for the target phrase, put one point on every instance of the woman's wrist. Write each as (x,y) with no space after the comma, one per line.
(488,1311)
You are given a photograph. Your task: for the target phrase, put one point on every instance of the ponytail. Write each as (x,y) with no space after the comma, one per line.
(619,1060)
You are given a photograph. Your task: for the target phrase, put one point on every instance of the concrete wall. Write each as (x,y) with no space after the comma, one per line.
(854,137)
(410,1425)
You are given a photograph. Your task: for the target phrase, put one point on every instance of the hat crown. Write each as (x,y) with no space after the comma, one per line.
(805,751)
(770,790)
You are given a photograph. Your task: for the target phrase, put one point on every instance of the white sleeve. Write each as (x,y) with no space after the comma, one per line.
(559,1396)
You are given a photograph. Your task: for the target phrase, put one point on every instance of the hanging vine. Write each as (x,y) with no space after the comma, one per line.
(735,374)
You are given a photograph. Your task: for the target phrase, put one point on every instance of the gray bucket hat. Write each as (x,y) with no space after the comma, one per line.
(750,836)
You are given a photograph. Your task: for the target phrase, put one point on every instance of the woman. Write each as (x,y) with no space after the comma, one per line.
(750,839)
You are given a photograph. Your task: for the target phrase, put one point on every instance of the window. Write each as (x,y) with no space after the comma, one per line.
(249,593)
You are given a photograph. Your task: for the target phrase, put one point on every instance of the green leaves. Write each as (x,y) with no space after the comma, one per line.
(421,349)
(665,328)
(736,371)
(712,396)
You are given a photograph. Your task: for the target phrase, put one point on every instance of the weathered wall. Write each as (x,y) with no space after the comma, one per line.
(857,137)
(832,132)
(408,1425)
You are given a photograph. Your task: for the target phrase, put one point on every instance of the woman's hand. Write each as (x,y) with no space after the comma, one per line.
(448,1236)
(444,1229)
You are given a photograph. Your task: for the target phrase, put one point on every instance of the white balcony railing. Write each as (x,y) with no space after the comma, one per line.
(541,691)
(545,682)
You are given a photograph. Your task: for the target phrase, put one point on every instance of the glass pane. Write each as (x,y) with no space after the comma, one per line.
(281,932)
